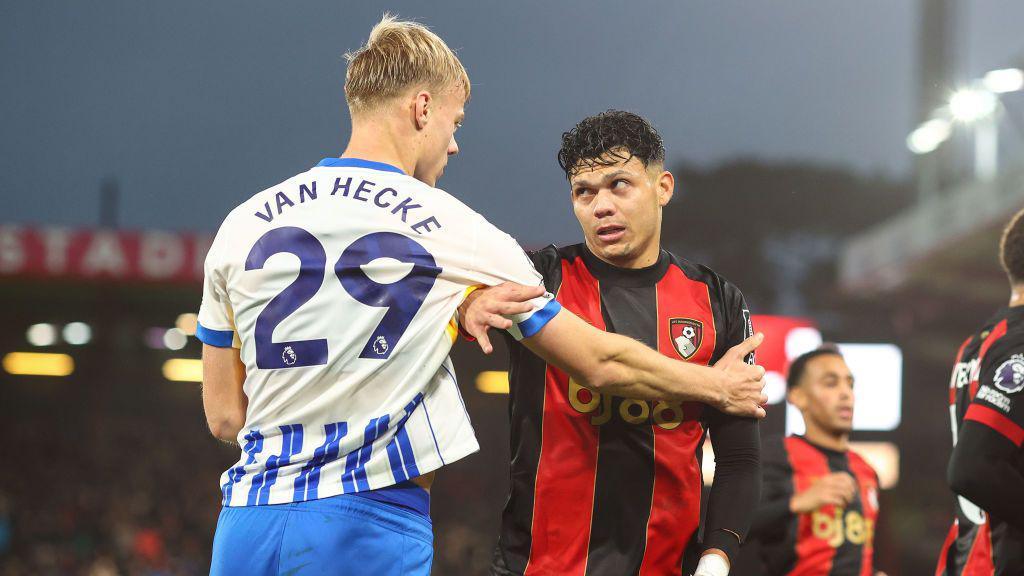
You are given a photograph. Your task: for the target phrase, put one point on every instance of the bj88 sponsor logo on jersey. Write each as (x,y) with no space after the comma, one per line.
(601,408)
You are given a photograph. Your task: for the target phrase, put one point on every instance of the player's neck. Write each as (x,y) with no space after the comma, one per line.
(840,442)
(1017,295)
(375,140)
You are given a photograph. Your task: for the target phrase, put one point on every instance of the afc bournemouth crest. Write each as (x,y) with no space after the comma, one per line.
(687,335)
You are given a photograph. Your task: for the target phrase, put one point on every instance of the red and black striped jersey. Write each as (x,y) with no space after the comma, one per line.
(830,541)
(602,485)
(987,387)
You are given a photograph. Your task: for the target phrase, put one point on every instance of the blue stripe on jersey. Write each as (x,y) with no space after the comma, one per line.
(253,446)
(359,163)
(534,323)
(400,454)
(354,477)
(432,435)
(309,477)
(218,338)
(291,444)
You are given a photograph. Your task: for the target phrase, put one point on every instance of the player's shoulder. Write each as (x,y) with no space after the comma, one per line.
(719,286)
(859,463)
(548,261)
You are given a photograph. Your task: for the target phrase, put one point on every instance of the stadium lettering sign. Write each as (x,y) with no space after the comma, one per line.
(83,254)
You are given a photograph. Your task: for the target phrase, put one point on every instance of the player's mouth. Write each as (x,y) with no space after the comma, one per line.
(845,412)
(611,233)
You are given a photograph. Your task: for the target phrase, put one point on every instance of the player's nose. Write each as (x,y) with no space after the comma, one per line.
(603,204)
(453,147)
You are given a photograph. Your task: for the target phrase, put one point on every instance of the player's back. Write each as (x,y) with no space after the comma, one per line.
(987,380)
(341,284)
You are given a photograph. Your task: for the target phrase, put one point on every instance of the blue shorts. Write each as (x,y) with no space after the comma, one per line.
(341,535)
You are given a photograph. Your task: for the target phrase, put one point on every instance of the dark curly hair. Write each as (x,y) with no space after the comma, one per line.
(607,138)
(1011,248)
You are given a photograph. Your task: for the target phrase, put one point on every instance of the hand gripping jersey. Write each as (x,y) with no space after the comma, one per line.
(830,541)
(339,286)
(603,485)
(987,387)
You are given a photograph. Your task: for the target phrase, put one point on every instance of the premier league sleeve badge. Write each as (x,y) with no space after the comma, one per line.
(1010,375)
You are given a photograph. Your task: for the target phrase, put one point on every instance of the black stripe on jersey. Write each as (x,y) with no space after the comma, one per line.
(848,557)
(527,375)
(625,461)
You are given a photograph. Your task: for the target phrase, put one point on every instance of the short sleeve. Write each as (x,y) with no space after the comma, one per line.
(999,403)
(739,326)
(216,325)
(497,258)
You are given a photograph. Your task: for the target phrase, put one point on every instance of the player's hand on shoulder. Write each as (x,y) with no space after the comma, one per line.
(837,489)
(743,383)
(487,308)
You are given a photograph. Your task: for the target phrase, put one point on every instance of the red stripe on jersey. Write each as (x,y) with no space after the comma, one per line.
(814,554)
(563,501)
(675,502)
(998,332)
(956,369)
(867,482)
(940,568)
(979,560)
(995,420)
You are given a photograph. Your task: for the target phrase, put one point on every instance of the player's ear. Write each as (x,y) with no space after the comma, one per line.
(797,397)
(422,107)
(665,184)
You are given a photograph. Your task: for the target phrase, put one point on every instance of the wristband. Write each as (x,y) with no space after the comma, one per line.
(712,565)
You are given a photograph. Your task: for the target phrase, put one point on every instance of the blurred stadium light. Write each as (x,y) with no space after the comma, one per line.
(183,370)
(41,334)
(492,382)
(38,364)
(77,333)
(1003,81)
(972,104)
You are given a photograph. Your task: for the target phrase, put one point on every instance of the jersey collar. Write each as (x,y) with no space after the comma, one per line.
(634,277)
(359,163)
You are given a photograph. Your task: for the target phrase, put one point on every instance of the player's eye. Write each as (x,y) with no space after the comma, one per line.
(620,183)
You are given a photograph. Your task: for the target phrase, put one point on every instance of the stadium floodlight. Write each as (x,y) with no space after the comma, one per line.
(929,136)
(41,334)
(971,104)
(175,339)
(38,364)
(187,323)
(492,382)
(183,370)
(1004,80)
(77,333)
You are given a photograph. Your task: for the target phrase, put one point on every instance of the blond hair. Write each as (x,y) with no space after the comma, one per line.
(400,55)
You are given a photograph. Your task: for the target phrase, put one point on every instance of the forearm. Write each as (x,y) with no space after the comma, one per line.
(617,365)
(224,401)
(737,487)
(630,370)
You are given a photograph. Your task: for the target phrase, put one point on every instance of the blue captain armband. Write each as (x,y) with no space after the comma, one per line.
(539,319)
(218,338)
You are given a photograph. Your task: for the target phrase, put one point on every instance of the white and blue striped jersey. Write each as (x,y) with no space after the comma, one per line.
(340,288)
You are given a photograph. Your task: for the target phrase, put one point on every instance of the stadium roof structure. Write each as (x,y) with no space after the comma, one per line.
(937,263)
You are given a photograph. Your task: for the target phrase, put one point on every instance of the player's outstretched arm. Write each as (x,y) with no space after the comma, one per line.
(224,401)
(614,364)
